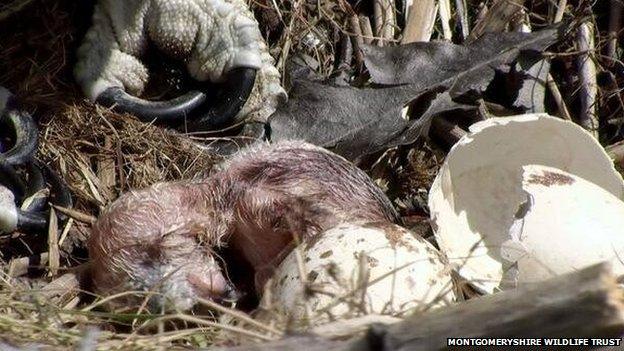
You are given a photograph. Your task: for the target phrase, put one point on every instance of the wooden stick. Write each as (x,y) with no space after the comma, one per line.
(379,20)
(615,25)
(356,40)
(54,255)
(550,81)
(420,22)
(367,30)
(556,93)
(449,132)
(389,21)
(561,7)
(445,18)
(588,91)
(462,17)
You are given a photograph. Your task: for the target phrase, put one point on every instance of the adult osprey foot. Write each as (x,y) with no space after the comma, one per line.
(218,40)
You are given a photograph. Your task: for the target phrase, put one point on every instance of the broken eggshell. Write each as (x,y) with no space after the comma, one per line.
(400,273)
(567,224)
(476,194)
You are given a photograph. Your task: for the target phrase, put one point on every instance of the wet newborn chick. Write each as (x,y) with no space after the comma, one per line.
(161,239)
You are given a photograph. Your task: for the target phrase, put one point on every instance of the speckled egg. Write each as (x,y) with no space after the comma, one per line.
(353,270)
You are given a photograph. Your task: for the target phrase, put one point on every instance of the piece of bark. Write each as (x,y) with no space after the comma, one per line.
(20,266)
(420,21)
(496,18)
(583,304)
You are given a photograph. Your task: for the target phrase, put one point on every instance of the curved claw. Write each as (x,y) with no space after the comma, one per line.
(25,135)
(231,98)
(192,106)
(35,218)
(172,111)
(32,221)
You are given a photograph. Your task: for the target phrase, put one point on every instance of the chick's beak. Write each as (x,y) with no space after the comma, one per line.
(214,287)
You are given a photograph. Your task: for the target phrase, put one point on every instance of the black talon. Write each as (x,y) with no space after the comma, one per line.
(35,218)
(21,174)
(231,98)
(24,133)
(193,106)
(32,221)
(169,112)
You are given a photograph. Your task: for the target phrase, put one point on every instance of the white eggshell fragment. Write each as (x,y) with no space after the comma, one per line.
(476,194)
(569,224)
(360,269)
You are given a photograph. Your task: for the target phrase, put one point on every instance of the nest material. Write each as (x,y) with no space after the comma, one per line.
(101,154)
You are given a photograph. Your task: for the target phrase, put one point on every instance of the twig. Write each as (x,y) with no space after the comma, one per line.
(449,132)
(357,40)
(54,257)
(561,7)
(615,25)
(462,17)
(556,93)
(76,215)
(389,21)
(445,18)
(378,20)
(550,81)
(420,22)
(367,30)
(587,73)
